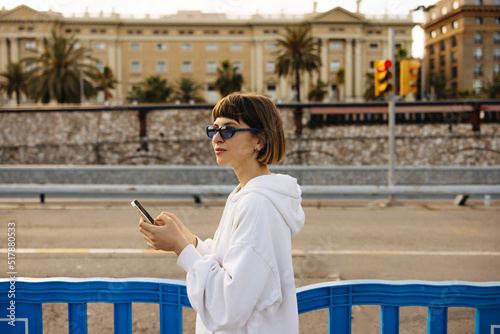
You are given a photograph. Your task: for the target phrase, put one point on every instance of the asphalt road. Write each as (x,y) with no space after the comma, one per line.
(433,241)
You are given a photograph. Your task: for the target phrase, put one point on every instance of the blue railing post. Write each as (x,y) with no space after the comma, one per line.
(389,319)
(77,318)
(123,318)
(340,320)
(437,320)
(488,320)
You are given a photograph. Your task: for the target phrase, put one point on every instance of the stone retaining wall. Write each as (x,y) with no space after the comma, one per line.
(177,137)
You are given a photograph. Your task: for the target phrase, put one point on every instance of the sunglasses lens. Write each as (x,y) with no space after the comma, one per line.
(211,131)
(226,132)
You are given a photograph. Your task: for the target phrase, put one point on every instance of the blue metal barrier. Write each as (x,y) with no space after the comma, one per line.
(21,300)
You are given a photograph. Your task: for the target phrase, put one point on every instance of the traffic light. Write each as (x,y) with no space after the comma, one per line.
(383,77)
(408,76)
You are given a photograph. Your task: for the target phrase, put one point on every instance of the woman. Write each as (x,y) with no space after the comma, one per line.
(242,281)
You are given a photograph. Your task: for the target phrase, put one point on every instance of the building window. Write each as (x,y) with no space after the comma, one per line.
(496,53)
(497,21)
(29,65)
(211,47)
(442,46)
(444,29)
(270,66)
(454,72)
(271,91)
(496,69)
(186,47)
(212,95)
(335,45)
(455,5)
(478,38)
(479,2)
(236,47)
(93,31)
(237,66)
(373,46)
(454,57)
(186,67)
(130,32)
(139,32)
(270,46)
(454,24)
(29,44)
(99,65)
(478,70)
(442,61)
(431,64)
(444,11)
(496,38)
(433,34)
(99,45)
(161,67)
(161,46)
(156,32)
(135,66)
(477,85)
(103,31)
(211,67)
(479,20)
(135,46)
(76,45)
(453,41)
(334,65)
(431,49)
(478,53)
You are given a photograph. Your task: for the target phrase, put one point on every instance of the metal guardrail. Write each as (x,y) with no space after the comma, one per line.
(201,182)
(23,307)
(197,191)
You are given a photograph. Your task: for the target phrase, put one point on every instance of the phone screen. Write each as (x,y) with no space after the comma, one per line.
(144,214)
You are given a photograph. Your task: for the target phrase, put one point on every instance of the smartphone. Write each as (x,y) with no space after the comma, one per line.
(144,214)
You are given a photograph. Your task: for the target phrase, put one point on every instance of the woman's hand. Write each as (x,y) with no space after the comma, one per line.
(185,232)
(165,235)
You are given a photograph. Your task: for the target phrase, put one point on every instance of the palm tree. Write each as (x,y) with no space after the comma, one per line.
(15,80)
(61,70)
(297,52)
(340,81)
(369,94)
(106,82)
(188,90)
(229,79)
(317,92)
(153,89)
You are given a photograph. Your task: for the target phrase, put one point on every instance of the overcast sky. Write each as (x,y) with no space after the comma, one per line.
(234,7)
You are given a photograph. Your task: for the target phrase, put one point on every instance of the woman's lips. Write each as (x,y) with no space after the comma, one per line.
(219,150)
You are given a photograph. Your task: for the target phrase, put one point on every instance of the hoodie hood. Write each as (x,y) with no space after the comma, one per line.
(285,194)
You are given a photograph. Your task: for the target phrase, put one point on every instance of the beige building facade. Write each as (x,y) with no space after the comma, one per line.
(462,44)
(193,44)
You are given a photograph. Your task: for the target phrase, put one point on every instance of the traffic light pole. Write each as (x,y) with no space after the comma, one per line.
(392,116)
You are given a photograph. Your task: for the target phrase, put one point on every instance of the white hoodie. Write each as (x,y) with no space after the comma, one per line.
(242,281)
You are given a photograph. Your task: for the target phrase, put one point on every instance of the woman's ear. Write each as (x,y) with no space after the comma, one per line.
(262,137)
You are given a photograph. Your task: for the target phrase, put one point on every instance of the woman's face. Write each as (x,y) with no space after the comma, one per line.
(237,151)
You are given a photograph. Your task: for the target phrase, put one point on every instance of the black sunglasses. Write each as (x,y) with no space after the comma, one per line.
(226,131)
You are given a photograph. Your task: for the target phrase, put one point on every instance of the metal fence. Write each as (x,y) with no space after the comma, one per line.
(22,299)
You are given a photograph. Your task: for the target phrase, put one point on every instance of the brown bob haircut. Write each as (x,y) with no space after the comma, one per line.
(258,112)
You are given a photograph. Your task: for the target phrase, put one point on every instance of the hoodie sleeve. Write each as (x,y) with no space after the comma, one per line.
(203,246)
(246,283)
